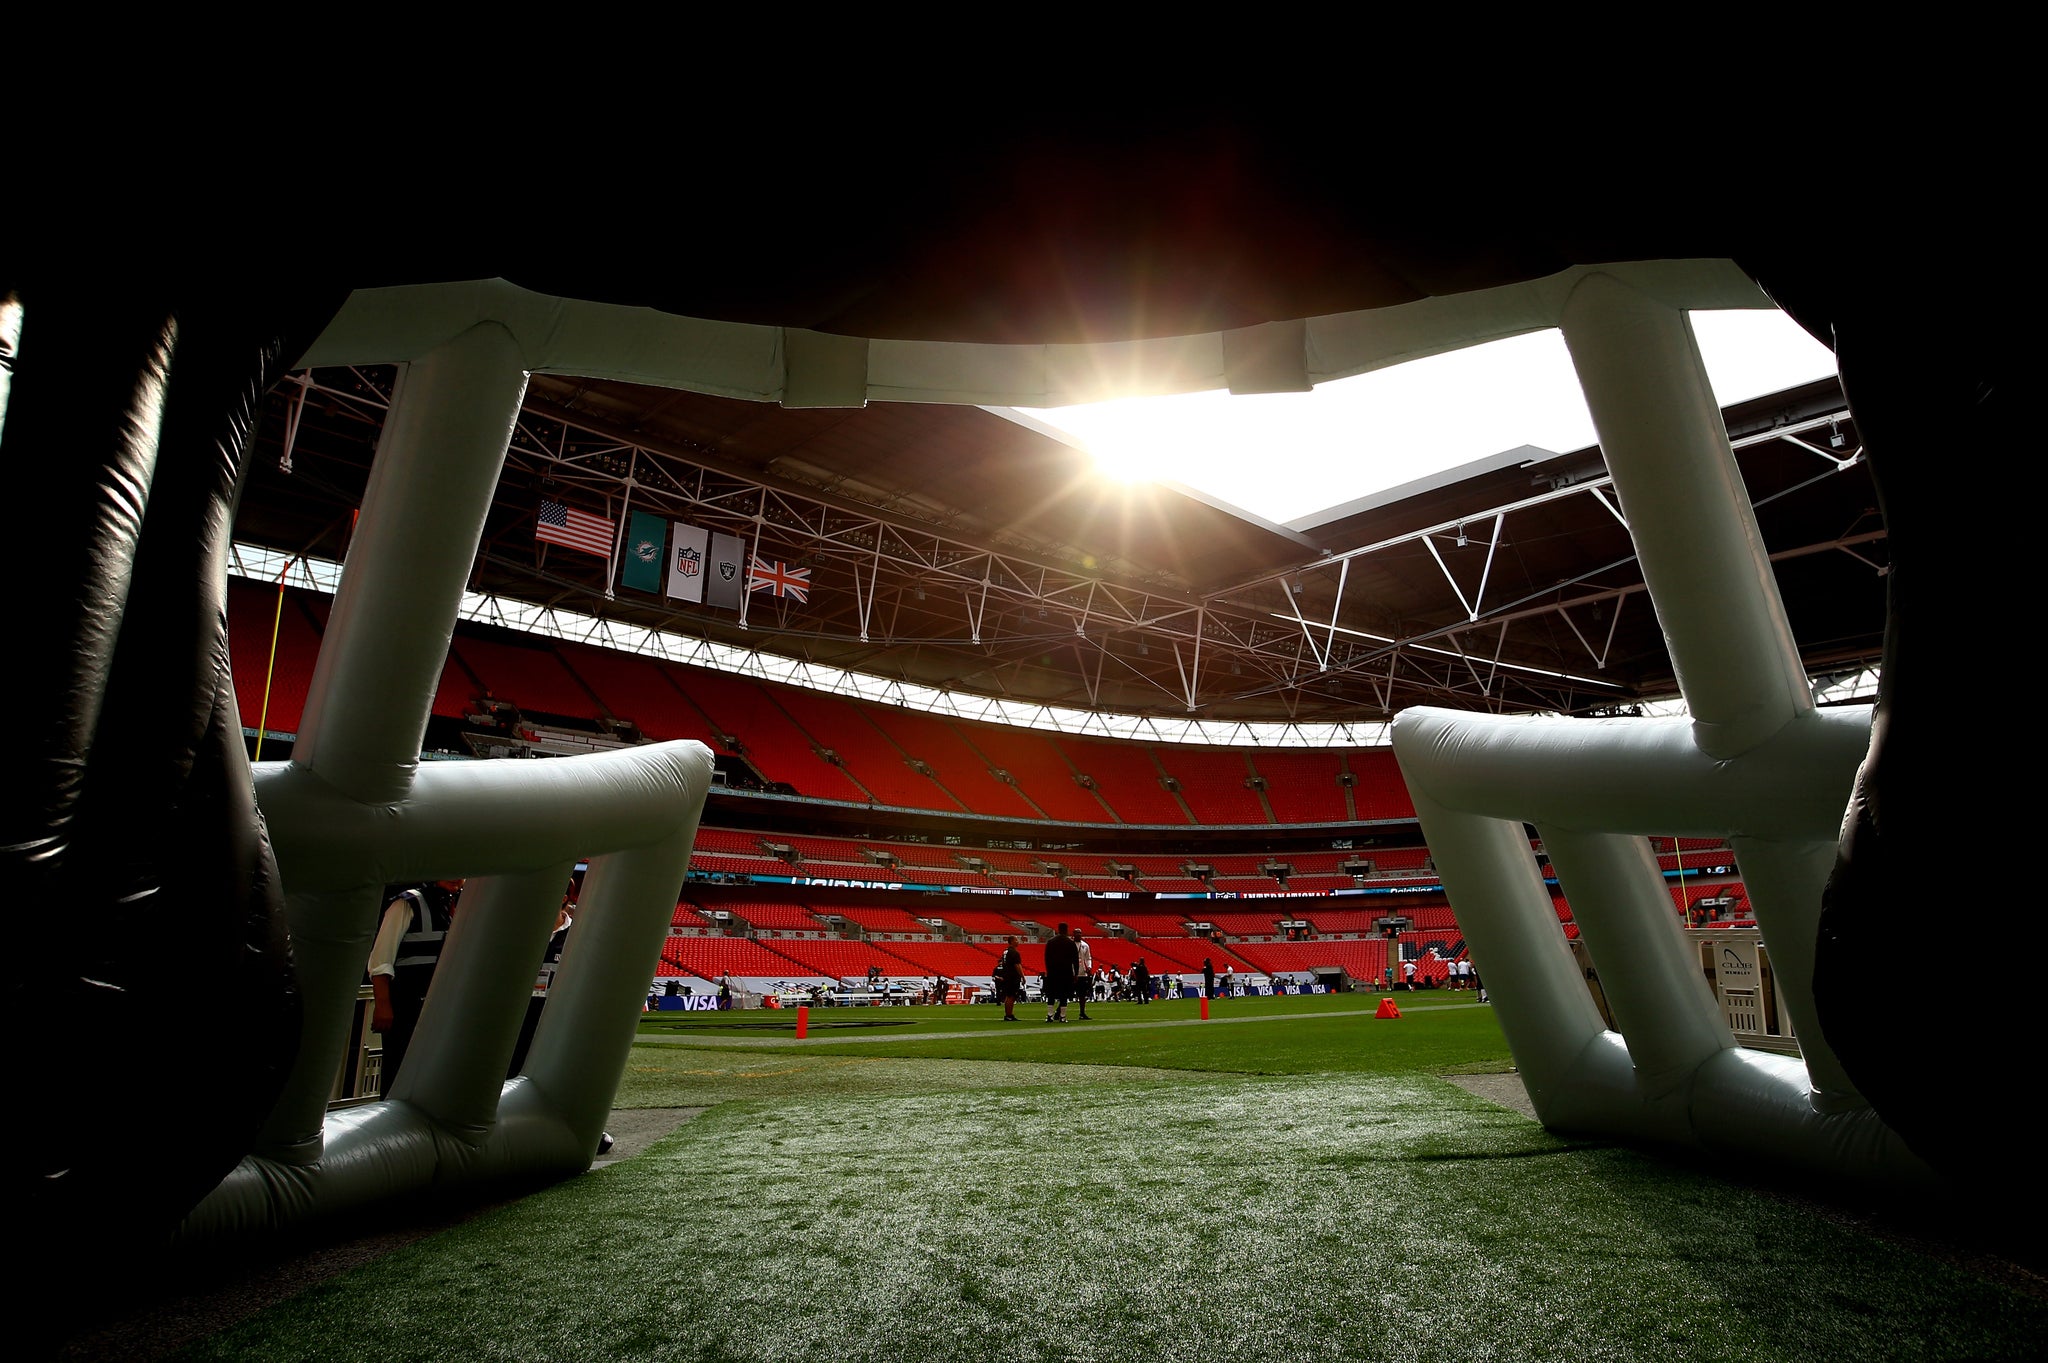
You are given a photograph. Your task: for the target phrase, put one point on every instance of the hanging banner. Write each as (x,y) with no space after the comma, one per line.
(688,558)
(724,577)
(640,565)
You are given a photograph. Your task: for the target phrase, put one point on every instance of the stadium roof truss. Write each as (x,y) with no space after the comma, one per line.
(915,599)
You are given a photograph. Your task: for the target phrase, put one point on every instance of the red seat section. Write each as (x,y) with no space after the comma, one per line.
(948,958)
(773,743)
(1212,781)
(1038,767)
(958,768)
(1127,779)
(253,617)
(1378,792)
(533,678)
(1361,959)
(1301,784)
(883,920)
(980,922)
(651,694)
(1249,924)
(779,914)
(864,750)
(710,957)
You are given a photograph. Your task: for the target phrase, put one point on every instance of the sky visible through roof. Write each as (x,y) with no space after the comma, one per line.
(1283,456)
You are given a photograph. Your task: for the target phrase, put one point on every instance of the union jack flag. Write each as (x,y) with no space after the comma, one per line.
(794,583)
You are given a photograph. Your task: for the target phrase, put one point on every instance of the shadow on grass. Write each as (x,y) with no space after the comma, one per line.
(1283,1218)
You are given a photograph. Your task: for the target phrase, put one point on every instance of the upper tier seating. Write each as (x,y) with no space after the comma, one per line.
(1040,770)
(961,771)
(532,678)
(776,747)
(584,683)
(1017,880)
(1380,793)
(1212,782)
(1301,784)
(1127,779)
(864,751)
(652,694)
(1319,883)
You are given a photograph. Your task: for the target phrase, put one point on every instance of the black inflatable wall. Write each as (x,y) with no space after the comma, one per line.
(1903,937)
(152,998)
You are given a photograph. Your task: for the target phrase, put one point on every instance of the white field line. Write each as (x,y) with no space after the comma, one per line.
(708,1040)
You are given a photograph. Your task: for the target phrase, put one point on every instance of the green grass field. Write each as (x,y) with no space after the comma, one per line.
(1290,1180)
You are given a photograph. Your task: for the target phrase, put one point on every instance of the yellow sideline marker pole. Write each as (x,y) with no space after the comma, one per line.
(270,668)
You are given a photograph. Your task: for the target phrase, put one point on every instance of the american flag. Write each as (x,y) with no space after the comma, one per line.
(794,583)
(573,529)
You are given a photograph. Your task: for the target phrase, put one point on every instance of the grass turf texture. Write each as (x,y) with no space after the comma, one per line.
(1313,1035)
(837,1201)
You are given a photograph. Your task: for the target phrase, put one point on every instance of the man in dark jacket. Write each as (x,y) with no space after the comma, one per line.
(1009,979)
(1061,958)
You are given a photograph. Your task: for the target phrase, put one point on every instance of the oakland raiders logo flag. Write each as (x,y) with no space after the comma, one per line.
(724,585)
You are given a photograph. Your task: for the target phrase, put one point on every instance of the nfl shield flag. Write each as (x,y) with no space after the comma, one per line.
(688,558)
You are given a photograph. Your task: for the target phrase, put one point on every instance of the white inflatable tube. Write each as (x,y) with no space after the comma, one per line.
(354,810)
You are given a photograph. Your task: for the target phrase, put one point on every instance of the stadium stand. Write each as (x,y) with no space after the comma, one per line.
(1361,960)
(960,771)
(1017,880)
(957,960)
(1128,780)
(1302,785)
(651,694)
(864,751)
(772,742)
(710,957)
(844,960)
(530,676)
(979,922)
(1378,792)
(254,617)
(1212,782)
(766,913)
(882,920)
(1041,771)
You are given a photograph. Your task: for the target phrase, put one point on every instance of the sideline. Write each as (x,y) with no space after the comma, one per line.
(708,1040)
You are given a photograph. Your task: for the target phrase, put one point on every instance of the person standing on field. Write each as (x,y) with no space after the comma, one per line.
(1060,961)
(1084,973)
